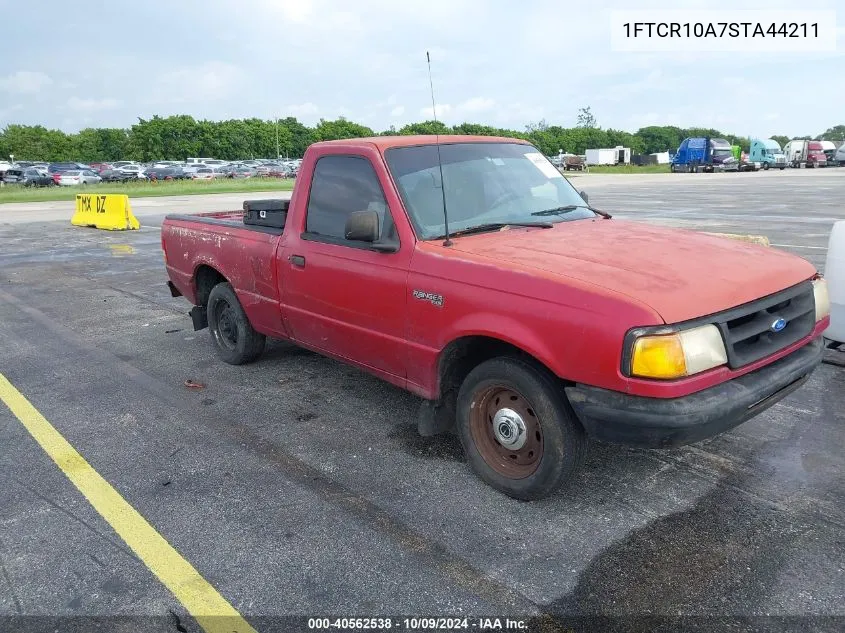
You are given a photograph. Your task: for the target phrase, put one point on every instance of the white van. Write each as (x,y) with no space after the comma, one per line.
(191,161)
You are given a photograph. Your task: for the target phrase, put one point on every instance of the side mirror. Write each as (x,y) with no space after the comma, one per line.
(362,226)
(585,197)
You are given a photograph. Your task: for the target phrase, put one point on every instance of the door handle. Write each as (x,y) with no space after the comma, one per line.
(297,260)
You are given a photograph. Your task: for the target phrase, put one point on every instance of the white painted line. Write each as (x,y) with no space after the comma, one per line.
(151,228)
(821,248)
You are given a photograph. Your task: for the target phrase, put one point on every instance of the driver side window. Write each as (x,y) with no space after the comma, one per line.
(342,185)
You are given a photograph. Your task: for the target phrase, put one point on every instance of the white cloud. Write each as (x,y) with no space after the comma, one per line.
(442,110)
(302,109)
(209,81)
(397,111)
(6,112)
(92,105)
(296,11)
(25,82)
(476,105)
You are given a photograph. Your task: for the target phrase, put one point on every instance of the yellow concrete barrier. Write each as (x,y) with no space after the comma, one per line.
(111,212)
(755,239)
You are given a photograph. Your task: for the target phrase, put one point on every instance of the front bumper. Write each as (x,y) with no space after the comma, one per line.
(612,416)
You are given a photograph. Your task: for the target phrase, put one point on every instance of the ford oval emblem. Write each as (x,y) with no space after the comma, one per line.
(778,324)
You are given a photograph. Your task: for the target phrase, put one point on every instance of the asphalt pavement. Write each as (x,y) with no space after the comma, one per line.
(298,487)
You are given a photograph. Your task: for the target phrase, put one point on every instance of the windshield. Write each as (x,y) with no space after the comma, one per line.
(485,183)
(722,151)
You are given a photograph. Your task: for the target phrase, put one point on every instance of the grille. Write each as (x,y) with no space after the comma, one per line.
(747,329)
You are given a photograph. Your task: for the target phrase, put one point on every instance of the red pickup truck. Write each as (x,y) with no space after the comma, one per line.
(468,271)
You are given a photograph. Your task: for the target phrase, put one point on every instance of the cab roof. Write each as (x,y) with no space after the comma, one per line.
(386,142)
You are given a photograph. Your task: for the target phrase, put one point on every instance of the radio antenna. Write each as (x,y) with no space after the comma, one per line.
(447,242)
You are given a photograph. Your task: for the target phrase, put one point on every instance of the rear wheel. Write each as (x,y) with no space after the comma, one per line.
(518,431)
(236,340)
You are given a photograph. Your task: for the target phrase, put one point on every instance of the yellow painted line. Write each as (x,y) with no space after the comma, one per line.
(211,610)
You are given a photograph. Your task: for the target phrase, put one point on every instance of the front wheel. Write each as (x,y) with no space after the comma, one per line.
(765,166)
(518,431)
(233,335)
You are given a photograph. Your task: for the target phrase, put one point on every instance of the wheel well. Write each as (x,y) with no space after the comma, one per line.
(206,278)
(462,355)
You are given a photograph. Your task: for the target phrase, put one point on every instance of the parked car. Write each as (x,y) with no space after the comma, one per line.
(116,175)
(278,171)
(79,177)
(165,173)
(204,173)
(28,177)
(100,167)
(190,170)
(533,322)
(56,169)
(241,171)
(133,170)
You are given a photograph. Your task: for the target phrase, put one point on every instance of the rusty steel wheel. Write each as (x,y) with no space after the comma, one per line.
(507,432)
(518,431)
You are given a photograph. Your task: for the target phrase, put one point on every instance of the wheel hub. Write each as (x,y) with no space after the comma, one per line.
(509,429)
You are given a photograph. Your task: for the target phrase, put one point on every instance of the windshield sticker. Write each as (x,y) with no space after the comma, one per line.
(540,162)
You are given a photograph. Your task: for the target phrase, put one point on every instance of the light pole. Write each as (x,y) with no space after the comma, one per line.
(277,138)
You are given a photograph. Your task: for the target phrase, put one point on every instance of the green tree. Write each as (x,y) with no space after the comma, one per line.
(780,139)
(426,127)
(300,137)
(36,142)
(659,138)
(340,128)
(585,118)
(835,133)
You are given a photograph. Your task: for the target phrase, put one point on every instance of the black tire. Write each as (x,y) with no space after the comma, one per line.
(765,166)
(233,335)
(550,428)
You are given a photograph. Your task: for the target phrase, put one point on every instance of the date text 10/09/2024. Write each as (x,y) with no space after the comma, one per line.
(418,624)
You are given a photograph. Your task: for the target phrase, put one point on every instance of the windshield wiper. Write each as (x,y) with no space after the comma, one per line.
(494,226)
(572,207)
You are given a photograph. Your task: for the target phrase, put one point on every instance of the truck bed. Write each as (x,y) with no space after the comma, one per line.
(198,245)
(223,218)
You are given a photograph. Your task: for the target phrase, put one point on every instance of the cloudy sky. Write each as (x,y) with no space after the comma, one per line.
(107,63)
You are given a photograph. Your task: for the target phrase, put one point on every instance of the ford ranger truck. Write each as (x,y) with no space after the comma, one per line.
(471,273)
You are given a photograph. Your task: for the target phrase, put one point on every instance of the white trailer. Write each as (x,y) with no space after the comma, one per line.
(616,156)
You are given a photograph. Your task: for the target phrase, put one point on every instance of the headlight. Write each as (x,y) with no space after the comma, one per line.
(822,298)
(677,355)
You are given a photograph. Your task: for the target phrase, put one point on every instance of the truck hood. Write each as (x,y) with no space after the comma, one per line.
(680,274)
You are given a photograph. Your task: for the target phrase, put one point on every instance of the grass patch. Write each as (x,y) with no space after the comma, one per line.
(143,189)
(628,169)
